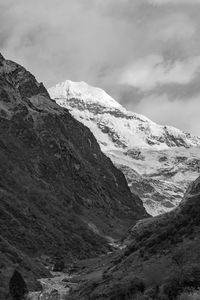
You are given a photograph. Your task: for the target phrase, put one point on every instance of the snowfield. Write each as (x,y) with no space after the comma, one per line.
(158,161)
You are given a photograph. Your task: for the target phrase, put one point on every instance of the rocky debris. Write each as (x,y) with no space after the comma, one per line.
(135,154)
(55,288)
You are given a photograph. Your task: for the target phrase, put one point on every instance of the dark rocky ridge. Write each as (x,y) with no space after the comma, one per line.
(58,191)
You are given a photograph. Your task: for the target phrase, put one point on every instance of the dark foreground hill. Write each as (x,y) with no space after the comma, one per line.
(161,260)
(58,191)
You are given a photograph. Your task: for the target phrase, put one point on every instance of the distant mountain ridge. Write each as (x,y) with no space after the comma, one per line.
(165,158)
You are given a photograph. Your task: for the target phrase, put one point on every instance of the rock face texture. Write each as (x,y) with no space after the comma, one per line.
(58,191)
(158,161)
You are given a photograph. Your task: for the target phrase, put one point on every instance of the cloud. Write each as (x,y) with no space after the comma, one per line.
(85,39)
(105,42)
(152,71)
(178,113)
(72,39)
(177,26)
(174,2)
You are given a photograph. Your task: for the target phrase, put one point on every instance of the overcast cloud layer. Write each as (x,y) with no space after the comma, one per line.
(145,53)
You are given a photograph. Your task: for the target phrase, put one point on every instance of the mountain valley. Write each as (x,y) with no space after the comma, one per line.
(73,224)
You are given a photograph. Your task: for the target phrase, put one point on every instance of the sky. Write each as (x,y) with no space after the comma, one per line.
(144,53)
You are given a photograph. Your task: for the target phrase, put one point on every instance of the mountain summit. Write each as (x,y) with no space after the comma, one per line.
(155,159)
(127,129)
(83,91)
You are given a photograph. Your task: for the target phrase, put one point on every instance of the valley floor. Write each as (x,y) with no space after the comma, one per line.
(63,283)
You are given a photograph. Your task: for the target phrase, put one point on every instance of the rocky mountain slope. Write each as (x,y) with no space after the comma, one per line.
(158,161)
(59,193)
(161,260)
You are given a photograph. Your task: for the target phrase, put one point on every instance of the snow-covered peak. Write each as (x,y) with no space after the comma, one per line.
(114,126)
(83,91)
(158,161)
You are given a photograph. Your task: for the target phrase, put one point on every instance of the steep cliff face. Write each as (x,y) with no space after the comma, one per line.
(58,191)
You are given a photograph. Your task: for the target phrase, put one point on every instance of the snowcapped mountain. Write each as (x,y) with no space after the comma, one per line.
(82,91)
(116,127)
(158,161)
